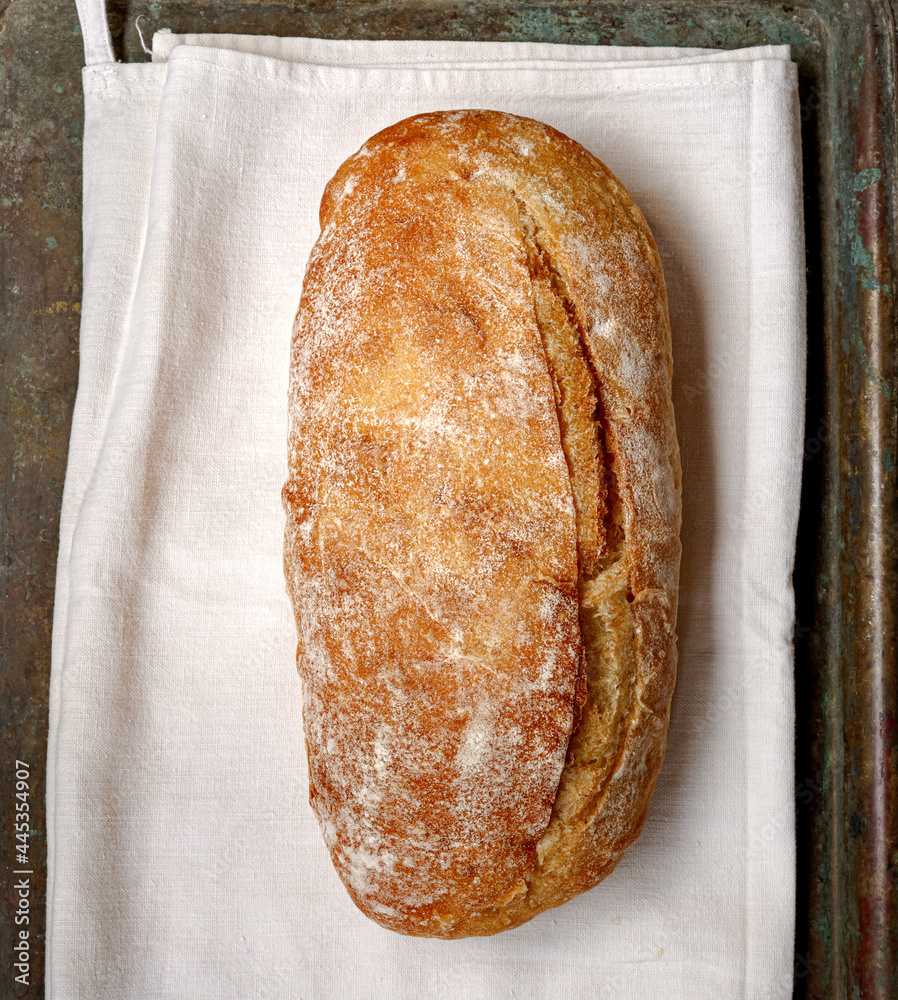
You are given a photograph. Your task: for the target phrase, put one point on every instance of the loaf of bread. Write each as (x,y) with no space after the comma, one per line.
(483,513)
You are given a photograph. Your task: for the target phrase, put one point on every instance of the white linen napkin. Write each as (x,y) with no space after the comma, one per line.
(184,859)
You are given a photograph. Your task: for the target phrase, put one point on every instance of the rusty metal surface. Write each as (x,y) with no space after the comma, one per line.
(847,747)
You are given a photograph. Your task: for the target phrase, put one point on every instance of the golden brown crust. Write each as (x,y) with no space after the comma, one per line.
(485,707)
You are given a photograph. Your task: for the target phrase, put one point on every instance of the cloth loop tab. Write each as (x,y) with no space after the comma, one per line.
(95,29)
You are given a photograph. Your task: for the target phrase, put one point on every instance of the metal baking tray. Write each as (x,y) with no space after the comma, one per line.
(845,577)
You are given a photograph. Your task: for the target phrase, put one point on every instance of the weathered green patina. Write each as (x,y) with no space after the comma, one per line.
(847,749)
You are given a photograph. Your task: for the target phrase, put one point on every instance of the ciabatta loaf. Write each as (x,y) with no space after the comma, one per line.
(483,515)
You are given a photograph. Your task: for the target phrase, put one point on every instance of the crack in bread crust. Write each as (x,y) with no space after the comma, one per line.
(607,700)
